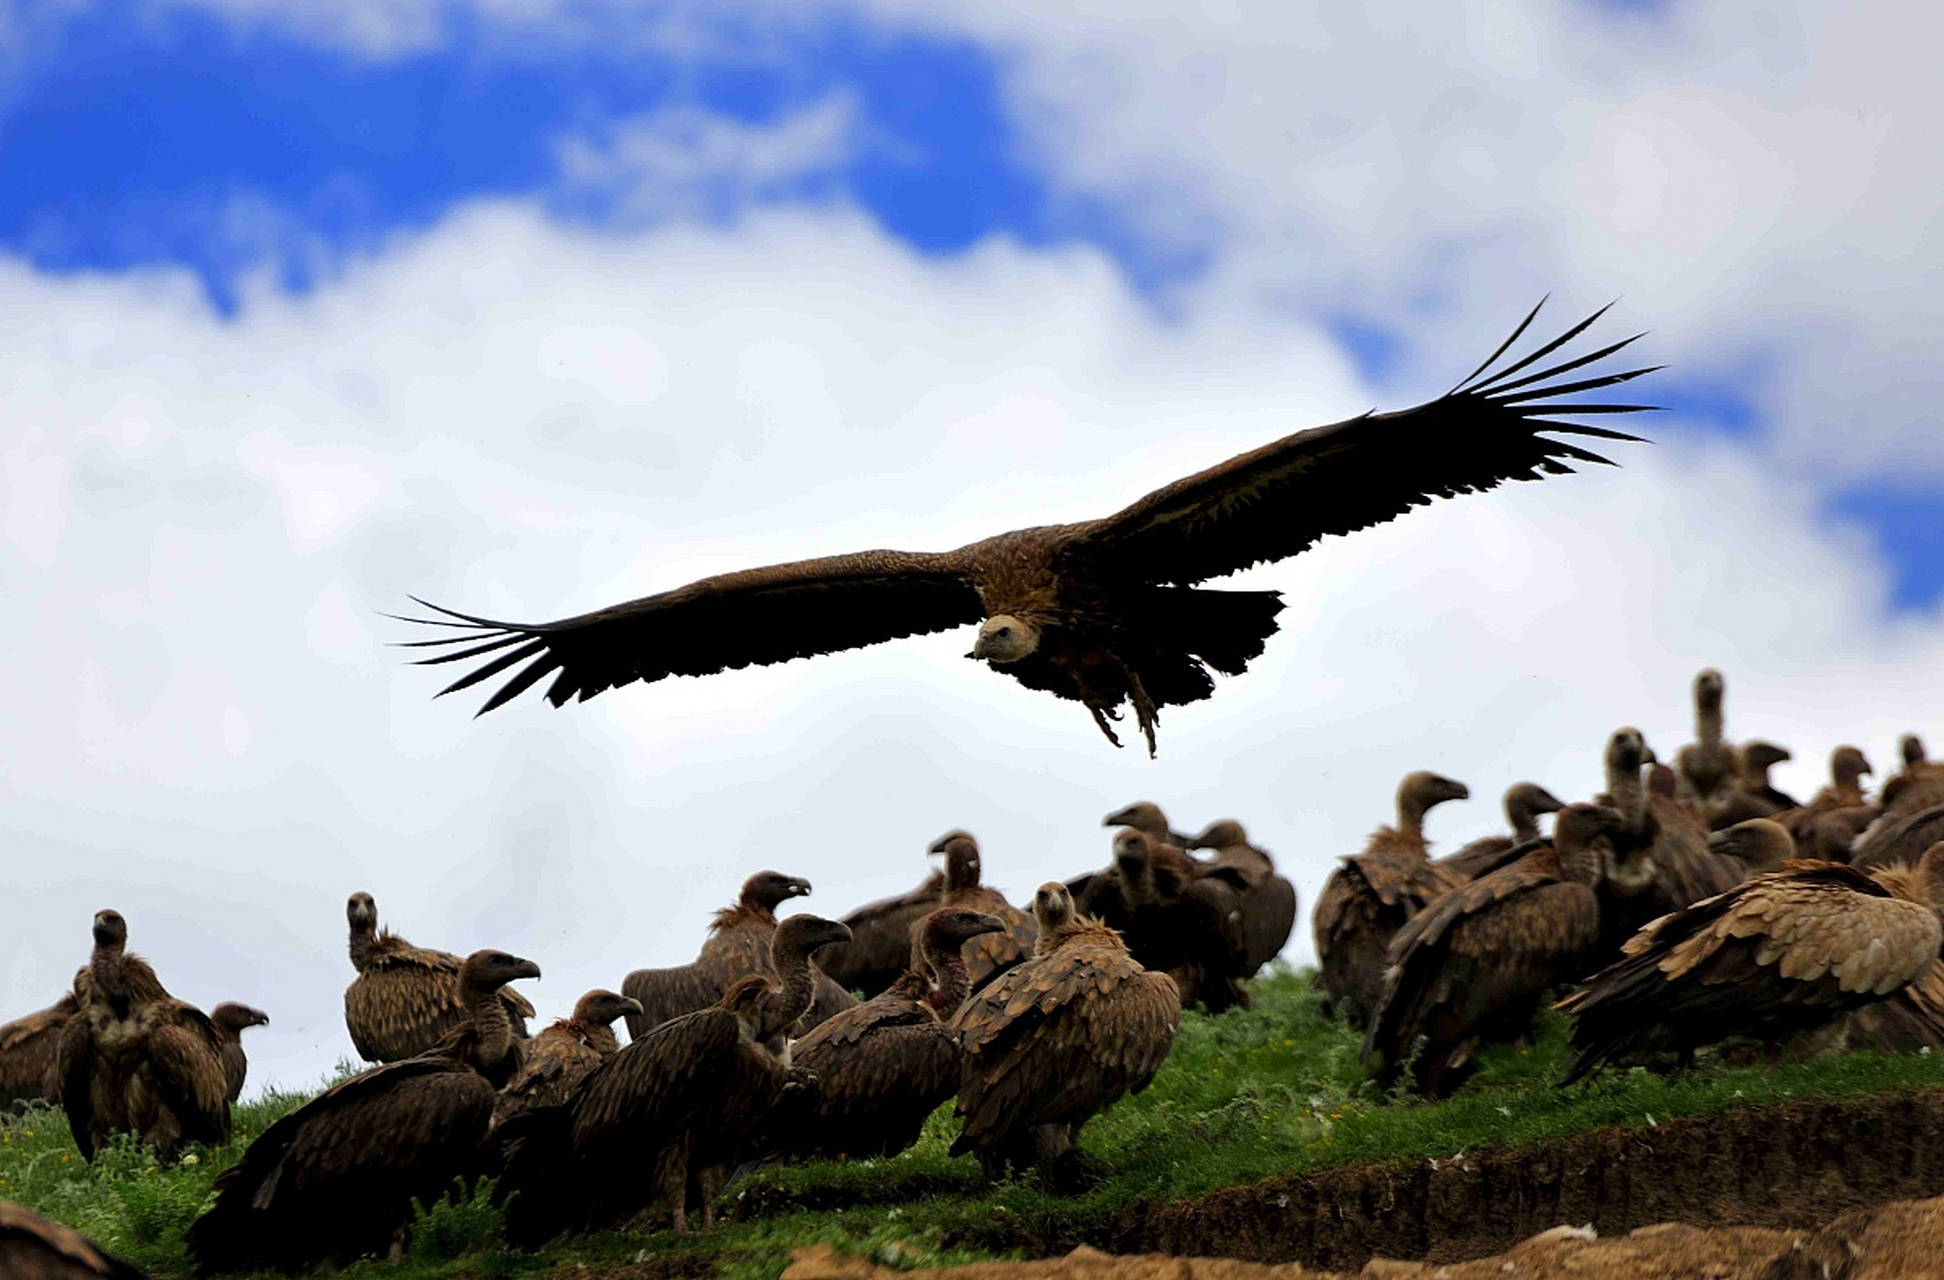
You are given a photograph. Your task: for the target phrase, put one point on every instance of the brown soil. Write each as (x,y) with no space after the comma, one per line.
(1794,1165)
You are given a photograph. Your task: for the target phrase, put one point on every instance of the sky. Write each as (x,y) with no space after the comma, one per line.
(532,306)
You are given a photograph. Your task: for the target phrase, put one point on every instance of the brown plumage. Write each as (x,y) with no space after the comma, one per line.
(37,1248)
(1758,846)
(991,953)
(1182,919)
(1371,895)
(1752,795)
(656,1121)
(335,1179)
(1059,1038)
(738,945)
(1895,838)
(1090,611)
(880,947)
(553,1063)
(886,1065)
(1777,954)
(29,1047)
(1524,803)
(1472,967)
(134,1059)
(405,998)
(1662,860)
(1828,825)
(1146,817)
(1918,785)
(230,1021)
(1268,899)
(1709,765)
(1911,1021)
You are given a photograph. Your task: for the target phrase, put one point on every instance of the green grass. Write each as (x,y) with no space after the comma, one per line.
(1274,1090)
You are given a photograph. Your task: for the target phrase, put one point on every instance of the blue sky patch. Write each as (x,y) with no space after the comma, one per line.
(136,137)
(1906,521)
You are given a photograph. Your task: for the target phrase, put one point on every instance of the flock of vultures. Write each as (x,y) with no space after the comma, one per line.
(1686,904)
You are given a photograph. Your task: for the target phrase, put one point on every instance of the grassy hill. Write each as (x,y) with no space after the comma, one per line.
(1274,1090)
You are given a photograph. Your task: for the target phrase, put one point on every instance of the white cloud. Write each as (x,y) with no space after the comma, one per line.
(205,732)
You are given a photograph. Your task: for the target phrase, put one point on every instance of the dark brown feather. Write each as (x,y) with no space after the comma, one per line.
(1100,599)
(37,1248)
(880,945)
(405,998)
(29,1048)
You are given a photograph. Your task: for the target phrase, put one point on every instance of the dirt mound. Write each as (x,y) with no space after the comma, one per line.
(1895,1241)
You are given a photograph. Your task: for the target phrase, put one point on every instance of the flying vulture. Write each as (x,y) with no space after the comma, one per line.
(1089,611)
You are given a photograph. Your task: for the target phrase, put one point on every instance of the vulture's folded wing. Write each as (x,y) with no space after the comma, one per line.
(1278,500)
(751,617)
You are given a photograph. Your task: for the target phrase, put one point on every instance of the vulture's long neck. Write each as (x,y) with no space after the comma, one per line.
(364,941)
(954,979)
(793,970)
(1524,818)
(1629,796)
(1708,723)
(494,1028)
(1410,819)
(108,970)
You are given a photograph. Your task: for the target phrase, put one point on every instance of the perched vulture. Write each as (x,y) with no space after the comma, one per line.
(37,1248)
(1920,784)
(1146,817)
(1662,848)
(1828,825)
(991,953)
(28,1049)
(661,1118)
(1090,611)
(1268,900)
(1758,845)
(335,1179)
(1709,765)
(1057,1039)
(1777,954)
(405,998)
(886,1065)
(1182,919)
(135,1059)
(737,946)
(880,945)
(1892,839)
(1753,795)
(553,1062)
(1472,967)
(1524,802)
(230,1020)
(1371,895)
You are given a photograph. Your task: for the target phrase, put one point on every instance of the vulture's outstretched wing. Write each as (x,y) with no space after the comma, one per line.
(1278,500)
(751,617)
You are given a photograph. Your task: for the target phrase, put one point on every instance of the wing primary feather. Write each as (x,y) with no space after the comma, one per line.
(519,684)
(1502,347)
(1496,386)
(460,655)
(1484,388)
(494,667)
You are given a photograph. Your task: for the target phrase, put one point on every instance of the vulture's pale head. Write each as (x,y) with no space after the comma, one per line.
(1847,765)
(362,912)
(600,1008)
(1626,752)
(1004,638)
(1708,688)
(1052,906)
